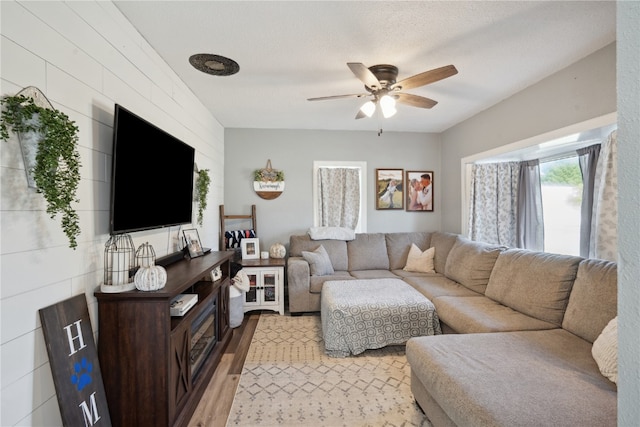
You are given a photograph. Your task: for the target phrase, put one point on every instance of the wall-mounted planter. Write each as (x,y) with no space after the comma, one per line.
(268,189)
(49,144)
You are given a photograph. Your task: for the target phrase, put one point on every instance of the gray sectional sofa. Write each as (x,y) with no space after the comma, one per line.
(518,326)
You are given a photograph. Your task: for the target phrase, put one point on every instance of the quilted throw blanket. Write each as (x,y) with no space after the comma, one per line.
(359,315)
(232,238)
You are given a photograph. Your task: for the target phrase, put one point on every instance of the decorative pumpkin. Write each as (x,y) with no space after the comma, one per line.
(277,250)
(150,278)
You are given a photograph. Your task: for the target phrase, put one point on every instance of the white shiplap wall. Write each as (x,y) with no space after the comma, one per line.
(85,56)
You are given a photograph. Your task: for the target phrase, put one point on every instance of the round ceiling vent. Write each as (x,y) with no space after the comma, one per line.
(214,64)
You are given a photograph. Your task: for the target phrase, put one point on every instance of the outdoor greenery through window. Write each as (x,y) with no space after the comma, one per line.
(561,182)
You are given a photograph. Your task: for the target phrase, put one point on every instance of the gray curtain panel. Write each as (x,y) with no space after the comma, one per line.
(339,195)
(530,223)
(588,158)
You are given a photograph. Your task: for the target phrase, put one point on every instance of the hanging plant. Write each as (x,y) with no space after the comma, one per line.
(202,189)
(57,162)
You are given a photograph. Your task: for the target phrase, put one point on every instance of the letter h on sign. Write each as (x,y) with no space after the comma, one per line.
(74,363)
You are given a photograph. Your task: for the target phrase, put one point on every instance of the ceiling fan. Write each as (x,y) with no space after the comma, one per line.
(380,83)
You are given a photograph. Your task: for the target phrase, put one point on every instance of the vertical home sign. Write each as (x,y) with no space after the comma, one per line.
(74,363)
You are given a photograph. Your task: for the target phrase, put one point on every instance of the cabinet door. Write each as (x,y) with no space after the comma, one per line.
(270,287)
(224,309)
(251,297)
(179,377)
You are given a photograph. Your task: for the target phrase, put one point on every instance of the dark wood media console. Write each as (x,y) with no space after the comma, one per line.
(156,367)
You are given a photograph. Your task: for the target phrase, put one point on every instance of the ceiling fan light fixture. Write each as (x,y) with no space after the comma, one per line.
(368,108)
(388,106)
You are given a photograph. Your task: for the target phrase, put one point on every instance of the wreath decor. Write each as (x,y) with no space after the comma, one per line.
(268,183)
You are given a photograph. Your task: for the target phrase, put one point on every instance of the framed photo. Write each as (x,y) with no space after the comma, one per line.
(419,191)
(250,248)
(192,240)
(389,189)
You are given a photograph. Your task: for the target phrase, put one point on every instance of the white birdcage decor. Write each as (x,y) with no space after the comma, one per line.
(119,259)
(149,277)
(145,255)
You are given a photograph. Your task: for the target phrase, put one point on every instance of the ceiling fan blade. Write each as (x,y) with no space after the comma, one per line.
(364,74)
(415,100)
(355,95)
(426,78)
(360,115)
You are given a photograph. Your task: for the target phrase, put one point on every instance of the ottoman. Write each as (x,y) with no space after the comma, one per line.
(359,315)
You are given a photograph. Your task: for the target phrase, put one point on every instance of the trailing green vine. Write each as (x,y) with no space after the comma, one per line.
(202,189)
(57,169)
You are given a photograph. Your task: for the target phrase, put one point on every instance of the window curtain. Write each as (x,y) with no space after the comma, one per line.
(588,158)
(530,224)
(604,223)
(493,203)
(339,196)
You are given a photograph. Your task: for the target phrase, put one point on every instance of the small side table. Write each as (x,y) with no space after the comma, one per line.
(266,279)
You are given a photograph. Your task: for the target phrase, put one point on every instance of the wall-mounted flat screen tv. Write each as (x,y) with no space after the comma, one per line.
(152,176)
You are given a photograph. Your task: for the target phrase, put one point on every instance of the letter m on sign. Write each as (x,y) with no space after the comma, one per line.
(74,363)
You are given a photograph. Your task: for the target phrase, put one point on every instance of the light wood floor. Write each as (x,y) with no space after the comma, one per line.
(216,401)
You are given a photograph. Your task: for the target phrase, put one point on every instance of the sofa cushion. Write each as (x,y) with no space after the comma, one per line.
(419,261)
(436,285)
(373,274)
(316,282)
(470,263)
(443,242)
(398,245)
(337,249)
(319,262)
(593,300)
(534,283)
(368,252)
(470,315)
(605,350)
(541,378)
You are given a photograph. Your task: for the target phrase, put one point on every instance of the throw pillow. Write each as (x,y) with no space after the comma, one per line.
(418,261)
(319,262)
(605,350)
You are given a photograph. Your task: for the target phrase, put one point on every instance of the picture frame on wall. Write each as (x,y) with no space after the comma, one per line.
(389,188)
(250,248)
(192,242)
(419,191)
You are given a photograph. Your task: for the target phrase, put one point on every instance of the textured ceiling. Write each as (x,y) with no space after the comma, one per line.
(293,50)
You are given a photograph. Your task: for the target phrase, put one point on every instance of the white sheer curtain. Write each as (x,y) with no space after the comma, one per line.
(339,197)
(604,224)
(493,204)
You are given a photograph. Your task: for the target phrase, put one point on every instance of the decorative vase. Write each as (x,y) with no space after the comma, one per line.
(277,250)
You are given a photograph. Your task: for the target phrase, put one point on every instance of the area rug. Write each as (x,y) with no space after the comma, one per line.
(288,380)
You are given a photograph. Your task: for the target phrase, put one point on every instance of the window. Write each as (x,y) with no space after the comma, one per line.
(561,178)
(561,182)
(362,167)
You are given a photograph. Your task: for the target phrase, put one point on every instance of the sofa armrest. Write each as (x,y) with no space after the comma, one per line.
(298,282)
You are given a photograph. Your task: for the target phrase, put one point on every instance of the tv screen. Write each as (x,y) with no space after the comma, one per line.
(152,176)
